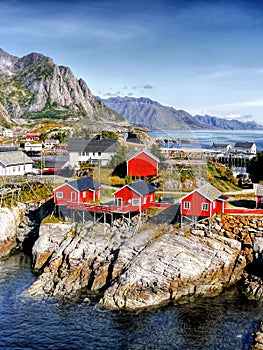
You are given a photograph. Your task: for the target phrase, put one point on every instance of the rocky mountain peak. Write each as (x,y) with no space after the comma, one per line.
(30,59)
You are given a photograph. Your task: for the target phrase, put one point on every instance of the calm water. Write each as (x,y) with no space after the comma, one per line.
(205,138)
(224,322)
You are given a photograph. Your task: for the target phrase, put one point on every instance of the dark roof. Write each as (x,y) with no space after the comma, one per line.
(8,148)
(84,183)
(209,192)
(244,144)
(220,145)
(77,144)
(259,190)
(102,145)
(135,152)
(141,187)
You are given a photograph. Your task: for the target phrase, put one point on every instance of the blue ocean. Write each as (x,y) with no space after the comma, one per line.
(206,138)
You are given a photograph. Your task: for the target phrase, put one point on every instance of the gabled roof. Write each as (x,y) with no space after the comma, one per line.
(135,152)
(220,145)
(103,145)
(209,192)
(77,144)
(259,190)
(14,158)
(82,184)
(244,144)
(141,187)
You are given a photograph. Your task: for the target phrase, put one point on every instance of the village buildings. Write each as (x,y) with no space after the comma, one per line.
(82,190)
(137,196)
(93,151)
(15,163)
(203,202)
(142,163)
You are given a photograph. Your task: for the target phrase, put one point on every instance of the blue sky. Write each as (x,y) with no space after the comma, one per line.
(200,56)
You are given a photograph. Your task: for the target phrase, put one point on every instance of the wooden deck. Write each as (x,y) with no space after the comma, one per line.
(111,209)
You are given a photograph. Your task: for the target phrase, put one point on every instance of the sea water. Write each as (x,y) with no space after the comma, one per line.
(223,322)
(206,138)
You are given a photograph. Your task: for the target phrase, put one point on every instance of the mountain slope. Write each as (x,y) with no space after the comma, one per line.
(35,87)
(152,115)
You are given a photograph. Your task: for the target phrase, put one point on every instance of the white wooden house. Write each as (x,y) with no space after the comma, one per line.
(93,151)
(15,163)
(245,148)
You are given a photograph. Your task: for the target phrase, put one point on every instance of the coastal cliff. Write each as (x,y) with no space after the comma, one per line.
(10,219)
(133,270)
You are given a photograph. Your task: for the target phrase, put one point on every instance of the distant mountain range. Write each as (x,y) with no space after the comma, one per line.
(150,114)
(34,87)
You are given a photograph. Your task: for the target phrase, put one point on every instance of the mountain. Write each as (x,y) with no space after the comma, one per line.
(34,87)
(152,115)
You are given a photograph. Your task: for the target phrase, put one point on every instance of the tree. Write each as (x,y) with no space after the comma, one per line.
(255,167)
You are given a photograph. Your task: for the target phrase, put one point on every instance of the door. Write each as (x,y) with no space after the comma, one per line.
(73,197)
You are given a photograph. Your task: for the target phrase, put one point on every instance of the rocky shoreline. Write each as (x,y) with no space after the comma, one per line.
(134,268)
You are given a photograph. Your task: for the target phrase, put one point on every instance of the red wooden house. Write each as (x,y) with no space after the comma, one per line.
(135,197)
(82,190)
(259,196)
(204,201)
(142,163)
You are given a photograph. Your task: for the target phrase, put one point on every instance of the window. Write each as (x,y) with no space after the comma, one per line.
(151,198)
(84,194)
(59,195)
(135,202)
(99,154)
(214,205)
(145,200)
(205,206)
(261,199)
(187,205)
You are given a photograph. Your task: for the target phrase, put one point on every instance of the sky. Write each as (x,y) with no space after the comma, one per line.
(205,57)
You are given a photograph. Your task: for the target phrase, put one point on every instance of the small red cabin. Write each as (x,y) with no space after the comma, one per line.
(204,201)
(259,196)
(137,196)
(82,190)
(142,163)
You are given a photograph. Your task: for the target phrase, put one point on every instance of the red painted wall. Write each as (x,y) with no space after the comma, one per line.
(259,203)
(196,201)
(79,196)
(127,195)
(142,165)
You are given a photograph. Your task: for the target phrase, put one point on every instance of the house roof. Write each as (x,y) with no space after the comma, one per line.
(220,145)
(209,192)
(244,144)
(82,184)
(259,190)
(102,145)
(141,187)
(77,144)
(14,158)
(135,152)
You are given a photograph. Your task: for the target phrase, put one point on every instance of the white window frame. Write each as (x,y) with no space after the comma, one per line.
(187,205)
(59,195)
(135,202)
(204,206)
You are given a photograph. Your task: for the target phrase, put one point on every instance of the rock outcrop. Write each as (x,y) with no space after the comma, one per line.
(10,219)
(258,339)
(133,269)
